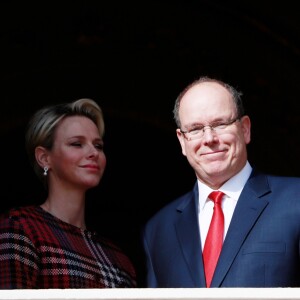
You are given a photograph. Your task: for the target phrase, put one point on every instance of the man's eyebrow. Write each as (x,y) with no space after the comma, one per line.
(193,125)
(196,124)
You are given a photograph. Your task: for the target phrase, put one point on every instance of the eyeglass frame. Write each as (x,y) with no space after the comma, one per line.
(201,127)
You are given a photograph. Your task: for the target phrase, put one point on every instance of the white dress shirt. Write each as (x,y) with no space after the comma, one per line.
(232,190)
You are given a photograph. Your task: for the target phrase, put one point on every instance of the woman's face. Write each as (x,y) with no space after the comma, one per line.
(77,160)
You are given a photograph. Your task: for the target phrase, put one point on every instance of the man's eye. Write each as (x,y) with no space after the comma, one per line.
(195,130)
(219,125)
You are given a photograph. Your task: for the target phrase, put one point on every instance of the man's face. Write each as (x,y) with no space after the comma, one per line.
(217,155)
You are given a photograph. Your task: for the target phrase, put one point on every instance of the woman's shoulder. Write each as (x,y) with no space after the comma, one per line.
(21,211)
(19,214)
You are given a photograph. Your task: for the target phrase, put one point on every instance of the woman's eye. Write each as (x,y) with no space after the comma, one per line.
(77,144)
(99,146)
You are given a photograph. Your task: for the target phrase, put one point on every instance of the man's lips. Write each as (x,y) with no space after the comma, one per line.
(216,152)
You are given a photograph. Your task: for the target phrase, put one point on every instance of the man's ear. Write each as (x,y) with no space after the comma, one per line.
(41,156)
(246,127)
(181,141)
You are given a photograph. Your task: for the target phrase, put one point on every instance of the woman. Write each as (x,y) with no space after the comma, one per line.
(49,246)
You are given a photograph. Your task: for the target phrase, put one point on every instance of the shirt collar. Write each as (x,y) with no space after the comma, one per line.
(232,188)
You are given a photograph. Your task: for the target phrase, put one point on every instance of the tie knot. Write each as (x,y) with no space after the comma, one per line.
(216,196)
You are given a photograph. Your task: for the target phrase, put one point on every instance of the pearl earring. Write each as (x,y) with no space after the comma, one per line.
(45,171)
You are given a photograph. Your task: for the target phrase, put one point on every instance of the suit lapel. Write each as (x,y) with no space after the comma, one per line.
(187,229)
(248,209)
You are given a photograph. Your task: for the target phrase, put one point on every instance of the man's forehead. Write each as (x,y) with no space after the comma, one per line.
(207,92)
(202,87)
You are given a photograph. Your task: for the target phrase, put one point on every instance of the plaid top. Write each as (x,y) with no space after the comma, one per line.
(38,250)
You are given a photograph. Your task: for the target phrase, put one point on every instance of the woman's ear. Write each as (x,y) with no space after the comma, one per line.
(41,156)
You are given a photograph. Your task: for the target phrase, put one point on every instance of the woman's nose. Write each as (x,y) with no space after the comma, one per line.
(92,151)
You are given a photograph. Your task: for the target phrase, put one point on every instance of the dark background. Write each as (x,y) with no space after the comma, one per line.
(134,59)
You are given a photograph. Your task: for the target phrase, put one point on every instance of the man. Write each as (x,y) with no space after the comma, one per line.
(260,213)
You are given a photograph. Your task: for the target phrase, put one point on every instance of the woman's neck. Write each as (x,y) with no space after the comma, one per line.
(66,208)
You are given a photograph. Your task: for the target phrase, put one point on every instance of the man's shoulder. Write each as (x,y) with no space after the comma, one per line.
(171,209)
(273,176)
(274,181)
(284,181)
(277,177)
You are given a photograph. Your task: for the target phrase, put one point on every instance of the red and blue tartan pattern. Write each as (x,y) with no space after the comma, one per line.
(38,251)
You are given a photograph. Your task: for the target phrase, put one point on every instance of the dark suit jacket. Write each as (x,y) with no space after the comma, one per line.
(261,248)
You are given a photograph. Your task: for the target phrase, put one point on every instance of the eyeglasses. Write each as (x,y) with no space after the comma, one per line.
(198,131)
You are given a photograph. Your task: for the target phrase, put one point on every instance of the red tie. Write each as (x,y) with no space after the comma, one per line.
(214,239)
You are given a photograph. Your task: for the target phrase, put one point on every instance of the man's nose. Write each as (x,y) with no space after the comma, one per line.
(209,133)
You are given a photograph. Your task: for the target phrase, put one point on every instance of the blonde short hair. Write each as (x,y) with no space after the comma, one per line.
(42,125)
